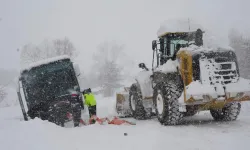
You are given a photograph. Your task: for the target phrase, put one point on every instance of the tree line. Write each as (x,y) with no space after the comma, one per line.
(106,72)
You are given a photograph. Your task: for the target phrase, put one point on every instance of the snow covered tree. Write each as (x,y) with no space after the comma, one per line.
(107,67)
(241,44)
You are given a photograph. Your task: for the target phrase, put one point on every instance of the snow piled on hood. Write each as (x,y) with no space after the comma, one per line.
(169,66)
(194,48)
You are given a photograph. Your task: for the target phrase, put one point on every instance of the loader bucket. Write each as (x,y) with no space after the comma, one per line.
(122,103)
(198,93)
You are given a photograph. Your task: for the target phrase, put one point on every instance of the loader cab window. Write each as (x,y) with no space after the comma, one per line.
(164,47)
(169,45)
(176,45)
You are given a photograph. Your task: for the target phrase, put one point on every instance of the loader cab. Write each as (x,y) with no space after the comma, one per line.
(171,42)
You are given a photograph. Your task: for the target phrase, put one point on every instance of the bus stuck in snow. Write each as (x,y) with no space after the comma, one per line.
(48,89)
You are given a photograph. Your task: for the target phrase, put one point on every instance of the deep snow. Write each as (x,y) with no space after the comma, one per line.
(200,132)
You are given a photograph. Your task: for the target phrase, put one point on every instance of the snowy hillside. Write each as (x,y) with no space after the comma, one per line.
(200,132)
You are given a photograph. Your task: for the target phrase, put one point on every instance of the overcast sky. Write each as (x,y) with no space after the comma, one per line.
(88,23)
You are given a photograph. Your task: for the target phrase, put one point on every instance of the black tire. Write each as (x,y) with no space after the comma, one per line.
(135,103)
(76,112)
(169,94)
(229,112)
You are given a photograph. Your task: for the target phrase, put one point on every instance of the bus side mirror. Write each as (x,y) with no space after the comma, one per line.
(154,44)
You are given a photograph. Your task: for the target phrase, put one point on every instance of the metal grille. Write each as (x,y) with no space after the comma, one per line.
(225,72)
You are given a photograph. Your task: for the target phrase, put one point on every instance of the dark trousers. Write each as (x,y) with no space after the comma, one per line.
(92,111)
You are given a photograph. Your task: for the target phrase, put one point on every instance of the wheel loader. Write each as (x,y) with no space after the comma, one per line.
(186,77)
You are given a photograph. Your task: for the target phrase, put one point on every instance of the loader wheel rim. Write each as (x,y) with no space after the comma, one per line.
(159,102)
(133,102)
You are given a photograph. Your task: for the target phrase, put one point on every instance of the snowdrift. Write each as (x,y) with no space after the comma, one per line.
(16,134)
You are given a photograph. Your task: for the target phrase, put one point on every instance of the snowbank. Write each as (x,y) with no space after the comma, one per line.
(45,61)
(16,134)
(177,25)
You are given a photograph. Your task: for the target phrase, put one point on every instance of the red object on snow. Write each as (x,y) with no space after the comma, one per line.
(94,119)
(115,121)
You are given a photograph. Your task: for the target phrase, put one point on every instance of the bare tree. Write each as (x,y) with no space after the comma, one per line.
(63,47)
(110,78)
(47,49)
(30,53)
(107,68)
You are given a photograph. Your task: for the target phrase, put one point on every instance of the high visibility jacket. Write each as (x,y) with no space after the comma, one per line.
(89,99)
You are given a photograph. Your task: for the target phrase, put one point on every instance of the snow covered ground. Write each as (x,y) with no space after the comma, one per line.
(200,133)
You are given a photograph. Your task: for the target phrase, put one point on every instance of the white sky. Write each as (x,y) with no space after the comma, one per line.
(88,23)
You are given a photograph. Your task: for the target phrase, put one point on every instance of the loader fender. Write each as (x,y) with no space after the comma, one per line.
(144,83)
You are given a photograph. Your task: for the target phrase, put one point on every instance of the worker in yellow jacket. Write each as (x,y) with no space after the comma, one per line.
(90,101)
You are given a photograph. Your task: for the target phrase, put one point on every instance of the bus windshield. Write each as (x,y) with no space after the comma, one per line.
(46,82)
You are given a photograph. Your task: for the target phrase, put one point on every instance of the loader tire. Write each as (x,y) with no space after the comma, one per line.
(135,103)
(166,104)
(229,112)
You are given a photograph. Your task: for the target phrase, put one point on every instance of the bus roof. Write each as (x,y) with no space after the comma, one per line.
(44,61)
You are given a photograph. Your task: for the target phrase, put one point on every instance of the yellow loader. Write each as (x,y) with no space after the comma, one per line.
(186,77)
